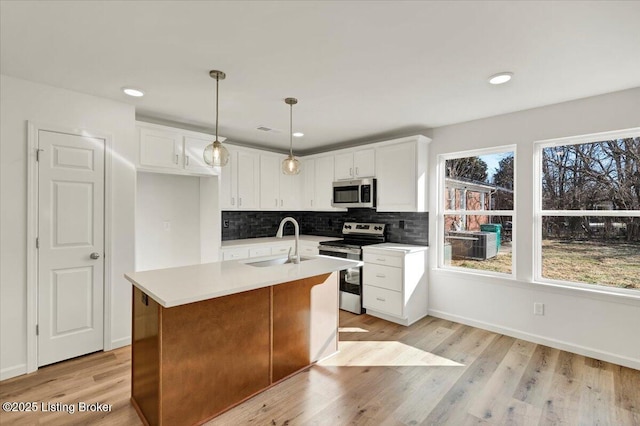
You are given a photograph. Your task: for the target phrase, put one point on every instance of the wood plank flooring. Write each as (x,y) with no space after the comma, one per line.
(435,372)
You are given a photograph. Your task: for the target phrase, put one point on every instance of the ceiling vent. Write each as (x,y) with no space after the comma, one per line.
(268,129)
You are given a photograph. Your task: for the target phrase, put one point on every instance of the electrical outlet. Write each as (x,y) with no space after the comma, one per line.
(166,225)
(538,308)
(225,223)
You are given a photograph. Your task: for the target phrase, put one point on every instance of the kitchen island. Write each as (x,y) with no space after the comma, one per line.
(207,337)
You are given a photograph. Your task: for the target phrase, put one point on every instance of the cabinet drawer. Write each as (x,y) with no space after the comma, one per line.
(309,250)
(382,259)
(259,251)
(235,254)
(383,300)
(388,277)
(280,250)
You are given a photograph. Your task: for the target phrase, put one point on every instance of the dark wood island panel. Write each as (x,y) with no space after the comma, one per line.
(194,361)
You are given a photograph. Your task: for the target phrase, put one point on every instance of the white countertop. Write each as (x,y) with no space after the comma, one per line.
(405,248)
(274,240)
(186,284)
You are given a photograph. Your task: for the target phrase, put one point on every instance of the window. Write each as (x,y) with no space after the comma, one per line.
(588,211)
(476,210)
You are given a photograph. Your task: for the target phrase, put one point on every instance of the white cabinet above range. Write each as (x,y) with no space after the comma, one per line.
(355,164)
(164,149)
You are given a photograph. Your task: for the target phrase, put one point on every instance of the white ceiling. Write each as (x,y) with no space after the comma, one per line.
(362,70)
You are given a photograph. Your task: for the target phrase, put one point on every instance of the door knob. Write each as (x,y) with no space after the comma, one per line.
(95,255)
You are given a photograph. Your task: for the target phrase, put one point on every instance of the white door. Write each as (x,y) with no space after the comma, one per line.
(309,184)
(193,155)
(70,245)
(229,182)
(344,166)
(270,182)
(364,163)
(324,183)
(248,180)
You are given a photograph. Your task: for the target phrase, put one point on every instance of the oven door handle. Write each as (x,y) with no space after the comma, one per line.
(339,249)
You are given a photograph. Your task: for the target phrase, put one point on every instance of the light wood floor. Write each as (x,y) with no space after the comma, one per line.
(435,372)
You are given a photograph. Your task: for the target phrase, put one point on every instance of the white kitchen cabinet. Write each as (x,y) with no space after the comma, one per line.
(193,155)
(354,164)
(234,253)
(164,149)
(259,251)
(395,282)
(323,183)
(277,190)
(160,148)
(308,173)
(401,172)
(240,180)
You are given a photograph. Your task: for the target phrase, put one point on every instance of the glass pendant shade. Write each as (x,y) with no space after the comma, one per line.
(291,165)
(216,154)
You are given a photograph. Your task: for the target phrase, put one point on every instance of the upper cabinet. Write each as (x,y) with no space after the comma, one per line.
(401,172)
(355,164)
(165,149)
(240,180)
(277,190)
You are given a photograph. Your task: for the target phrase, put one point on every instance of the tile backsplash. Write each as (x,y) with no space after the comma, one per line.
(255,224)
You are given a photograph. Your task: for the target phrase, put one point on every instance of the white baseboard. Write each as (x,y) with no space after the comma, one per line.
(16,370)
(558,344)
(118,343)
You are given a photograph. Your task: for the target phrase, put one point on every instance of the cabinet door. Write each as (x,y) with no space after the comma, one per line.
(364,163)
(397,180)
(229,182)
(344,166)
(193,155)
(324,183)
(160,148)
(248,180)
(289,191)
(308,184)
(269,182)
(235,254)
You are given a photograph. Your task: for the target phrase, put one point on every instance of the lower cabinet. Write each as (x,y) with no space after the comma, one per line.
(305,248)
(395,282)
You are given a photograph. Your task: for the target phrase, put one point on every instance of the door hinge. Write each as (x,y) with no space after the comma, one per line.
(37,242)
(37,330)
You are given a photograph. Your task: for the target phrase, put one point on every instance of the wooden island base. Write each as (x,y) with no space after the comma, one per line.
(194,361)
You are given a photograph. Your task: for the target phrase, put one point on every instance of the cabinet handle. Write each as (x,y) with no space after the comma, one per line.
(176,158)
(381,259)
(186,159)
(280,202)
(357,172)
(239,201)
(350,171)
(381,275)
(311,203)
(233,201)
(381,299)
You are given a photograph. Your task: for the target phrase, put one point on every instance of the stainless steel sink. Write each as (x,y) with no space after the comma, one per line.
(273,262)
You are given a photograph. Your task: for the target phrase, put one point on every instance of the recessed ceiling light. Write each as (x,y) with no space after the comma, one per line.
(500,78)
(298,134)
(136,93)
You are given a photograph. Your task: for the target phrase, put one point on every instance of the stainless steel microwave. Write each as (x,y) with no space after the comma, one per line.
(354,193)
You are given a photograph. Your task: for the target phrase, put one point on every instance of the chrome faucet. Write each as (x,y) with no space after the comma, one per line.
(296,257)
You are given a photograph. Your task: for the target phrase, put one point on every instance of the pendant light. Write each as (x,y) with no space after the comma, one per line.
(216,154)
(291,165)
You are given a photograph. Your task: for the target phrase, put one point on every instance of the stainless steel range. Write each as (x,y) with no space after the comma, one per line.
(355,236)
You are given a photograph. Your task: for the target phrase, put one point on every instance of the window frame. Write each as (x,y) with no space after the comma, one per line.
(539,212)
(443,210)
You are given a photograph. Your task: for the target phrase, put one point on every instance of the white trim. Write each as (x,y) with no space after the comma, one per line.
(539,213)
(588,138)
(119,343)
(32,232)
(479,212)
(16,370)
(596,213)
(441,211)
(541,340)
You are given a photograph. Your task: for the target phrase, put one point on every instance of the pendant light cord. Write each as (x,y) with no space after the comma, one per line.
(291,130)
(217,90)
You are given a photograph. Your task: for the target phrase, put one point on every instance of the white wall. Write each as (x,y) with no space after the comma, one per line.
(20,101)
(582,321)
(162,199)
